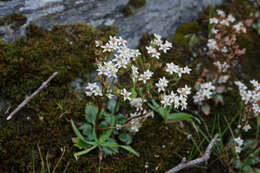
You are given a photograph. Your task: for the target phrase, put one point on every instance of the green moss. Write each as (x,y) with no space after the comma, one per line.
(184,34)
(128,10)
(132,5)
(15,19)
(25,64)
(137,3)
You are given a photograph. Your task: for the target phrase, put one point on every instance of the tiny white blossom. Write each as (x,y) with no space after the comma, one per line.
(239,141)
(246,127)
(163,82)
(126,94)
(212,44)
(231,18)
(145,76)
(238,149)
(221,13)
(213,20)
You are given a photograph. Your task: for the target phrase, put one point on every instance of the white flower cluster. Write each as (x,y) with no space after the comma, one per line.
(158,42)
(247,127)
(251,97)
(93,89)
(137,119)
(239,143)
(205,92)
(222,67)
(212,44)
(137,103)
(123,56)
(222,20)
(172,68)
(177,100)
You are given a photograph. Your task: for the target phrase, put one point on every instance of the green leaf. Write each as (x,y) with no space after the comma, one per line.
(79,135)
(86,129)
(80,144)
(106,135)
(180,116)
(110,144)
(133,93)
(125,137)
(157,108)
(130,149)
(111,105)
(110,147)
(91,113)
(76,155)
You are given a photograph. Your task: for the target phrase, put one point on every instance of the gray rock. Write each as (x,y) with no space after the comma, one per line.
(157,16)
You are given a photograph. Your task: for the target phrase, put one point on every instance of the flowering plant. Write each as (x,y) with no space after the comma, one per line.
(104,122)
(224,51)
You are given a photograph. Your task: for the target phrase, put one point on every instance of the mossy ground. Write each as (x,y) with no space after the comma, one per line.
(70,50)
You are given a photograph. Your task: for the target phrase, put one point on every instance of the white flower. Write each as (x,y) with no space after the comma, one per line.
(171,68)
(98,92)
(121,42)
(224,22)
(162,84)
(239,141)
(256,84)
(214,31)
(256,109)
(107,48)
(157,40)
(222,67)
(165,47)
(213,20)
(238,149)
(109,95)
(98,43)
(239,27)
(183,102)
(102,70)
(166,101)
(93,89)
(221,13)
(246,127)
(91,86)
(184,92)
(231,18)
(126,94)
(212,44)
(137,103)
(134,72)
(150,49)
(205,92)
(155,55)
(146,76)
(186,70)
(136,53)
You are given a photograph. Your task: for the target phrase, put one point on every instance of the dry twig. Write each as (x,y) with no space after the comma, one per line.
(27,99)
(197,161)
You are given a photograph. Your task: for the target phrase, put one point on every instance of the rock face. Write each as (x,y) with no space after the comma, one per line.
(157,16)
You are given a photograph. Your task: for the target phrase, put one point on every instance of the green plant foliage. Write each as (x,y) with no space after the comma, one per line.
(104,141)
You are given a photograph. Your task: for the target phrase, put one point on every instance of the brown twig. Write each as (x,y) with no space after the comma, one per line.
(27,99)
(197,161)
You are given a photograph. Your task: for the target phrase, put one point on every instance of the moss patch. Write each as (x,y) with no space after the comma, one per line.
(15,19)
(184,35)
(132,5)
(25,64)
